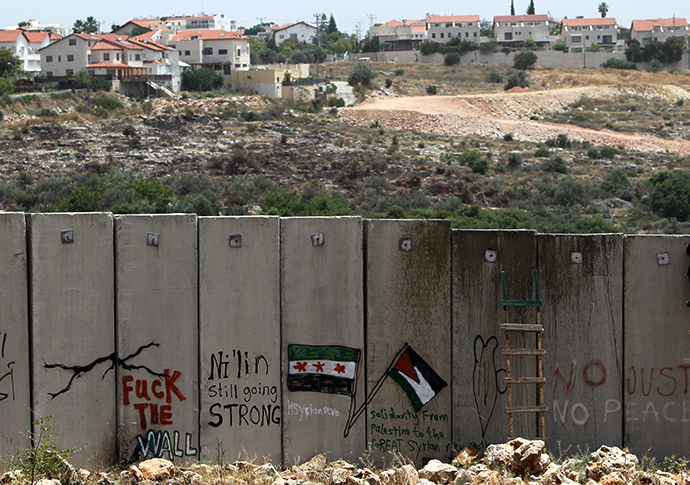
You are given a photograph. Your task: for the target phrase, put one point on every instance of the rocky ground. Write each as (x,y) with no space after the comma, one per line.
(516,462)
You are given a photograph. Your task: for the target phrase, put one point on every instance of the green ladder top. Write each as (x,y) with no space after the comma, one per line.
(505,302)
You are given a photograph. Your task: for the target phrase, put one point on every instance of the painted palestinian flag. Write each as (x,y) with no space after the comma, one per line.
(416,377)
(322,368)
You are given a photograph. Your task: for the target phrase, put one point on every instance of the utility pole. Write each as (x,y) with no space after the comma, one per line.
(371,18)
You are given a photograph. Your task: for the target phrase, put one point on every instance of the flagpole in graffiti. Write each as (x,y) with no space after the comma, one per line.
(416,377)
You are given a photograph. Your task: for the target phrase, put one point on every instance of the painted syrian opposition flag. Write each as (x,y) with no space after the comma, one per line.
(416,377)
(322,368)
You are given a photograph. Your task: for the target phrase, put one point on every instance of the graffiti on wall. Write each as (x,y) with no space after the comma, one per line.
(6,371)
(251,403)
(152,399)
(591,375)
(486,379)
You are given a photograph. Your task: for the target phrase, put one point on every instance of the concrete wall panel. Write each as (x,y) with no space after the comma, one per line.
(657,359)
(15,392)
(479,395)
(157,333)
(239,320)
(72,296)
(581,278)
(322,306)
(408,301)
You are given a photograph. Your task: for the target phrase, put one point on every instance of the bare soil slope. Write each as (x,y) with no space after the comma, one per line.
(494,115)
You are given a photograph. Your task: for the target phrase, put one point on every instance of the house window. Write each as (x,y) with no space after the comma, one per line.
(49,73)
(293,36)
(433,35)
(237,65)
(207,51)
(59,58)
(69,72)
(137,57)
(508,36)
(586,37)
(70,58)
(222,52)
(442,35)
(282,36)
(467,34)
(608,39)
(475,34)
(49,58)
(576,39)
(449,25)
(227,69)
(217,67)
(186,53)
(239,52)
(73,42)
(106,56)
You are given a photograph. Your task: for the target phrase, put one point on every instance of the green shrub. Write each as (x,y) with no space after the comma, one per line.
(203,79)
(608,152)
(541,153)
(47,113)
(555,165)
(524,60)
(670,194)
(508,137)
(558,46)
(99,84)
(530,44)
(451,59)
(389,83)
(399,72)
(147,107)
(655,65)
(593,153)
(107,103)
(514,160)
(362,75)
(516,78)
(494,77)
(431,90)
(614,63)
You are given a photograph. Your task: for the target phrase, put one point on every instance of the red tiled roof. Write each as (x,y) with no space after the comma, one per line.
(206,35)
(588,22)
(285,26)
(521,18)
(36,37)
(648,25)
(104,46)
(150,45)
(10,35)
(117,65)
(452,18)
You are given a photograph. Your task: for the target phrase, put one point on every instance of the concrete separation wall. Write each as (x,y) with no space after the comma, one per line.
(656,406)
(72,307)
(157,332)
(479,394)
(239,321)
(248,337)
(15,396)
(322,323)
(408,302)
(582,288)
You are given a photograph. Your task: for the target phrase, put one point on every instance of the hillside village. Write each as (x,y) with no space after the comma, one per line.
(148,56)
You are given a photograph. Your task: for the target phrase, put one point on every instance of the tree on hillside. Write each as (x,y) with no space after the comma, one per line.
(203,79)
(603,9)
(88,26)
(332,27)
(8,62)
(486,28)
(512,8)
(530,8)
(524,60)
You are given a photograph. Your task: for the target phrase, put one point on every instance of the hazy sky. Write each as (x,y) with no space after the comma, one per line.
(348,14)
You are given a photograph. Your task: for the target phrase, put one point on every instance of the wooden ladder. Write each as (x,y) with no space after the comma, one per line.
(537,352)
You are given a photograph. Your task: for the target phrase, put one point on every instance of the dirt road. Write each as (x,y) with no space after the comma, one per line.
(494,115)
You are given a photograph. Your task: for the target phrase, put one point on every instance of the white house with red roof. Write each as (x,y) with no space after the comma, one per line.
(514,30)
(25,46)
(116,58)
(399,35)
(442,28)
(644,31)
(184,22)
(298,31)
(580,34)
(220,50)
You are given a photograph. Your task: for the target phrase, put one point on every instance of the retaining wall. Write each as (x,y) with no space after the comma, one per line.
(223,337)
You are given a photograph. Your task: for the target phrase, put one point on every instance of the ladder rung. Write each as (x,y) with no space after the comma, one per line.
(524,380)
(508,352)
(521,302)
(527,409)
(521,327)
